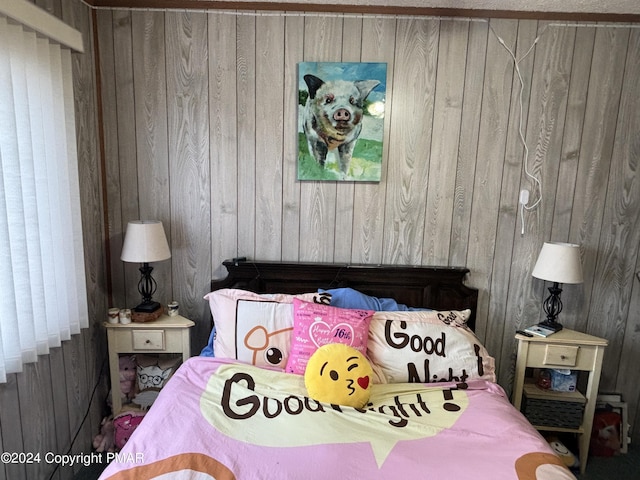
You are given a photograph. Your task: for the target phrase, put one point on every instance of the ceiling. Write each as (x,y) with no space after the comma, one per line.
(576,6)
(612,10)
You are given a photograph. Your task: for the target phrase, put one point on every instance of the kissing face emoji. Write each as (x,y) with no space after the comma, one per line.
(339,374)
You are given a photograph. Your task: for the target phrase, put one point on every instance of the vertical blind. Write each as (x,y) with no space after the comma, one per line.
(42,278)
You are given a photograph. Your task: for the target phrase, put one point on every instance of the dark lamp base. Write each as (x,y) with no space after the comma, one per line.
(555,326)
(147,307)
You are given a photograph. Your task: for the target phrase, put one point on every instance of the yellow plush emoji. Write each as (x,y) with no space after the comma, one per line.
(567,457)
(339,374)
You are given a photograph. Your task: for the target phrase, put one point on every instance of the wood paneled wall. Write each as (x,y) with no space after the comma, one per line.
(201,132)
(43,408)
(199,120)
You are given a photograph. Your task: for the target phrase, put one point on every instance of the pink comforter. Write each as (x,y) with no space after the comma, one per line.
(219,420)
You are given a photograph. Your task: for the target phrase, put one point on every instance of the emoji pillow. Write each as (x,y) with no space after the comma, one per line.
(339,374)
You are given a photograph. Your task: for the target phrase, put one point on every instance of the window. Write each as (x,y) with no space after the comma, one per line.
(42,281)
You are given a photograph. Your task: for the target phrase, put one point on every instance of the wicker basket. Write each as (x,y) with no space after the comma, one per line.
(553,409)
(142,317)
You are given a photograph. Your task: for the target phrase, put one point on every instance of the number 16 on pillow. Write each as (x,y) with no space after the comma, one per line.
(315,325)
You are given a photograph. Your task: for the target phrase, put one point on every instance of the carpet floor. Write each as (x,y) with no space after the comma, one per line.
(620,467)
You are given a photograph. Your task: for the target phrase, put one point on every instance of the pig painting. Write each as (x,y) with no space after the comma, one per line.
(332,119)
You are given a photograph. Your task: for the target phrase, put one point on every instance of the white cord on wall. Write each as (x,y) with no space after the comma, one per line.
(524,199)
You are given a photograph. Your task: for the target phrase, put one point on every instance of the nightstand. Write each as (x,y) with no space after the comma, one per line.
(164,335)
(566,349)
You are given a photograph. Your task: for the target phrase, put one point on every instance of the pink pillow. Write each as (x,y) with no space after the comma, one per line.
(315,325)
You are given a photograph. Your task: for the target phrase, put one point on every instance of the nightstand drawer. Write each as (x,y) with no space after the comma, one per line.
(561,355)
(148,339)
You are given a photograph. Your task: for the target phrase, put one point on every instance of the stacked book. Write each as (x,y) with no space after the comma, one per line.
(539,330)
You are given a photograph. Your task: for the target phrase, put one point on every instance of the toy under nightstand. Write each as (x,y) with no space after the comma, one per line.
(167,334)
(566,349)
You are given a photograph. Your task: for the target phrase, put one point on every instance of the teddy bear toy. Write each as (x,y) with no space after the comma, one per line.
(127,366)
(105,440)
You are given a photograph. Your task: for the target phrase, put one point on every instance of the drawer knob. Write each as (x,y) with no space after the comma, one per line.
(149,340)
(563,357)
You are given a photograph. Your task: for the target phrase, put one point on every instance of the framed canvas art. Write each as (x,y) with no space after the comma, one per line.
(341,120)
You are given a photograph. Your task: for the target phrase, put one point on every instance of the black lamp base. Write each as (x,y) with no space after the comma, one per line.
(147,307)
(147,287)
(555,326)
(552,306)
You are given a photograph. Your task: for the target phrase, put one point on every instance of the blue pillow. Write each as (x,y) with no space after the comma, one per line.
(350,298)
(207,351)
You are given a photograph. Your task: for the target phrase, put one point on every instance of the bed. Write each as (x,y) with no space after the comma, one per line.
(240,410)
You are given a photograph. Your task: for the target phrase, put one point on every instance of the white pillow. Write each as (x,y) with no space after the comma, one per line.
(253,328)
(424,347)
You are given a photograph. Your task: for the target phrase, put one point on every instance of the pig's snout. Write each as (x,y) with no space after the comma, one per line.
(342,115)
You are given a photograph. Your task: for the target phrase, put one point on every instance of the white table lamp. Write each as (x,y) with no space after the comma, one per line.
(558,263)
(145,242)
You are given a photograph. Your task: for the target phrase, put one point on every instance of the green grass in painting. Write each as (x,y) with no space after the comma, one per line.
(365,164)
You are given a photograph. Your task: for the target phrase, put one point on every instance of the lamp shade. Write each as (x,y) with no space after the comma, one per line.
(145,242)
(559,262)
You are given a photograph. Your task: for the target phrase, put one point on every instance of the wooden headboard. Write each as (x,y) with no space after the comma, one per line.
(438,288)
